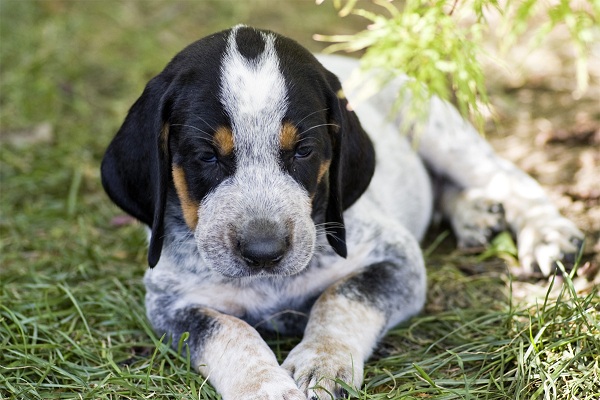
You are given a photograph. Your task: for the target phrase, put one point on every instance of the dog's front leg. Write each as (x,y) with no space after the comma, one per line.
(347,321)
(230,353)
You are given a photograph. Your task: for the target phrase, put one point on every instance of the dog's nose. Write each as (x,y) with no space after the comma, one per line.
(263,243)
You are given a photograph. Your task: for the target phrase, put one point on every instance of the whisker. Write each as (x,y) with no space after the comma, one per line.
(203,120)
(301,140)
(312,113)
(193,127)
(324,232)
(329,225)
(207,136)
(318,126)
(183,240)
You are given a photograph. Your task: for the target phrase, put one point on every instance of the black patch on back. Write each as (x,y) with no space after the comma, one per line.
(249,42)
(379,285)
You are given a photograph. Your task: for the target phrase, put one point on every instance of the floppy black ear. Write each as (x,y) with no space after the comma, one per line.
(135,167)
(352,165)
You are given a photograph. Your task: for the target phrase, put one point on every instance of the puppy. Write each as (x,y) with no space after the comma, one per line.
(272,202)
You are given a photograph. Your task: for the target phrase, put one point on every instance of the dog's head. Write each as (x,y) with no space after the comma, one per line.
(251,139)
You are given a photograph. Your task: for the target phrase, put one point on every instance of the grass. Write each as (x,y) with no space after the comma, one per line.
(72,323)
(547,351)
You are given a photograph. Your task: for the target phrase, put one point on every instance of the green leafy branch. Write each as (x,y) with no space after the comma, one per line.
(438,43)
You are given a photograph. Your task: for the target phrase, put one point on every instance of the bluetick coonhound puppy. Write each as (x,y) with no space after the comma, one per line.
(271,205)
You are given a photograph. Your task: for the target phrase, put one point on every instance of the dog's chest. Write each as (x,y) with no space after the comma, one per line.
(274,303)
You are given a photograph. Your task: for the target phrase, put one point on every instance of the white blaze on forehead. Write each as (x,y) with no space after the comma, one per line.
(254,96)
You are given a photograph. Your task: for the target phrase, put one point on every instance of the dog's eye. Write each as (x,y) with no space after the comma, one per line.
(303,152)
(208,157)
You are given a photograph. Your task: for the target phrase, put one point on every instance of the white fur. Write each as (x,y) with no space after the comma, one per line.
(453,149)
(241,366)
(336,342)
(254,96)
(384,225)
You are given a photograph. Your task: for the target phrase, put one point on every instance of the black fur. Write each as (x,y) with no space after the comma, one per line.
(311,87)
(183,103)
(194,320)
(383,277)
(136,167)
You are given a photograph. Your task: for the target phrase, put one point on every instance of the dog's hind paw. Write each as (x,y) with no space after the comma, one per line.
(476,218)
(320,368)
(542,242)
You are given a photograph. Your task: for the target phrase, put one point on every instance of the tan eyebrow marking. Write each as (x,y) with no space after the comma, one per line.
(288,136)
(188,206)
(223,139)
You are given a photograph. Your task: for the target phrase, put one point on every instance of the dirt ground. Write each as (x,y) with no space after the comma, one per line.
(543,125)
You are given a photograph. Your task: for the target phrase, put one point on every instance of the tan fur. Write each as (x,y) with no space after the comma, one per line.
(323,170)
(189,206)
(224,140)
(164,138)
(339,336)
(238,353)
(288,136)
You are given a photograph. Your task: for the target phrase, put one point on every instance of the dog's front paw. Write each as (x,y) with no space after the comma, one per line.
(262,384)
(318,368)
(544,241)
(275,393)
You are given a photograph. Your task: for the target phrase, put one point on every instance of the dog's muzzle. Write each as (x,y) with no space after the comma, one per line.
(256,224)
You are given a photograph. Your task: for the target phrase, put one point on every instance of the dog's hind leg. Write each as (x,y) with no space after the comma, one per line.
(476,176)
(479,178)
